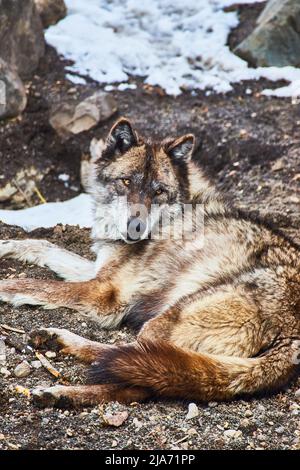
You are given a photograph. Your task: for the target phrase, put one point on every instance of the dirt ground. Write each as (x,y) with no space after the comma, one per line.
(250,147)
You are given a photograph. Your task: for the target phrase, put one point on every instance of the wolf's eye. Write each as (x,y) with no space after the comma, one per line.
(126,181)
(158,192)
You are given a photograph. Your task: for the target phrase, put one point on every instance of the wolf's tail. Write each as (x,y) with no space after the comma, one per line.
(162,369)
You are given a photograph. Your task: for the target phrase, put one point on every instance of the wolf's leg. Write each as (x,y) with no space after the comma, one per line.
(222,323)
(67,343)
(94,298)
(65,264)
(82,395)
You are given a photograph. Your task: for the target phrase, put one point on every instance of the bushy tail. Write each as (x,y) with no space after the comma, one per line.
(162,369)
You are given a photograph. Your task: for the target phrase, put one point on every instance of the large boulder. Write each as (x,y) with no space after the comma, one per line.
(51,11)
(276,39)
(12,92)
(21,35)
(74,115)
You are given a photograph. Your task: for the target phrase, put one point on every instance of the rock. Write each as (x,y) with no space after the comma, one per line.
(4,371)
(2,352)
(278,165)
(116,419)
(276,39)
(50,354)
(12,92)
(193,411)
(72,116)
(280,430)
(297,394)
(36,364)
(25,180)
(51,11)
(248,414)
(244,423)
(232,433)
(22,370)
(22,41)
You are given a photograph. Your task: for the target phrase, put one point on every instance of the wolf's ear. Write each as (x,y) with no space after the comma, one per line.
(122,137)
(181,149)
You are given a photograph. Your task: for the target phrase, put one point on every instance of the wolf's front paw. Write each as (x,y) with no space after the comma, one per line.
(46,397)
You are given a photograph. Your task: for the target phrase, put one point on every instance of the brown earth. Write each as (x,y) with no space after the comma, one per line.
(250,146)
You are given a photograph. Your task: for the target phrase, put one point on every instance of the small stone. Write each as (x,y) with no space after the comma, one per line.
(244,423)
(248,414)
(192,432)
(278,165)
(114,443)
(193,411)
(232,433)
(2,352)
(116,419)
(280,430)
(138,424)
(4,371)
(22,370)
(69,433)
(36,364)
(50,354)
(212,404)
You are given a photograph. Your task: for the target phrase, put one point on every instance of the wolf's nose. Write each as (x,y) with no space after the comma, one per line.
(135,228)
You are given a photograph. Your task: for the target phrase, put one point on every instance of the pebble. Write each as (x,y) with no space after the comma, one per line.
(248,414)
(4,371)
(2,352)
(244,423)
(232,433)
(212,404)
(50,354)
(280,430)
(138,424)
(297,394)
(36,364)
(22,370)
(193,411)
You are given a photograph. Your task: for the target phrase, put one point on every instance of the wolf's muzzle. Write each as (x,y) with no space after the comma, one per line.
(136,229)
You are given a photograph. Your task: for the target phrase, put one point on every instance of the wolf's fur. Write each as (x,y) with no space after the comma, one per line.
(217,317)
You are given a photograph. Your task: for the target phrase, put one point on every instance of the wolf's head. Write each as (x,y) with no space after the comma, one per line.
(135,178)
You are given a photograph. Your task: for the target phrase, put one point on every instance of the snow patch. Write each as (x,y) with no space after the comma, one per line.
(176,44)
(76,211)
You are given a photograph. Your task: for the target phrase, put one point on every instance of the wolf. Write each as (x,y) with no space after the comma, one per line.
(217,314)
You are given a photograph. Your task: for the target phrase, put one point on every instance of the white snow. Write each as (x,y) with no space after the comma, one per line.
(76,211)
(176,44)
(75,79)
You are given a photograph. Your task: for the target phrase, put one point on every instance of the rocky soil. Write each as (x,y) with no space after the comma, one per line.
(250,147)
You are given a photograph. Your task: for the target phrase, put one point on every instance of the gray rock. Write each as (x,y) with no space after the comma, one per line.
(36,364)
(22,370)
(12,92)
(22,41)
(193,411)
(297,394)
(72,116)
(276,39)
(2,352)
(51,11)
